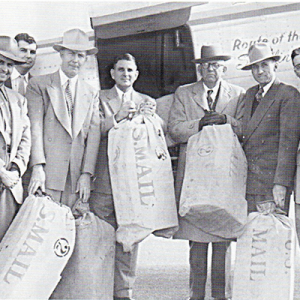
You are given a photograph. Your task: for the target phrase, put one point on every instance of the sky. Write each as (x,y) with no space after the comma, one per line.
(49,19)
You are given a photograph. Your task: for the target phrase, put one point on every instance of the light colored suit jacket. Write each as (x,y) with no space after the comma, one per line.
(110,104)
(56,143)
(271,137)
(20,141)
(186,111)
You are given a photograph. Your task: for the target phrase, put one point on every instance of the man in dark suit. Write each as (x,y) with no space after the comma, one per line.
(271,131)
(21,74)
(117,104)
(209,101)
(296,64)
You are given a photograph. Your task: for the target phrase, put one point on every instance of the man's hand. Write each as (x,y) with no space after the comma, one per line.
(279,193)
(128,108)
(9,178)
(37,180)
(84,187)
(212,118)
(148,107)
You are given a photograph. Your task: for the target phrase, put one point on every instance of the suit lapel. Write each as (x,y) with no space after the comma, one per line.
(16,122)
(223,97)
(251,123)
(113,100)
(82,104)
(198,95)
(58,102)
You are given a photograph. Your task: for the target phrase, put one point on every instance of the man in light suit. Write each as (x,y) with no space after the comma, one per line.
(27,51)
(117,104)
(271,131)
(15,137)
(65,125)
(206,102)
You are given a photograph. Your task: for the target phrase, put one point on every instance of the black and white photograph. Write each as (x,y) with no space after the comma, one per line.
(149,150)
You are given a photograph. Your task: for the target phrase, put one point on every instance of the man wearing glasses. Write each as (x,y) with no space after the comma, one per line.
(210,101)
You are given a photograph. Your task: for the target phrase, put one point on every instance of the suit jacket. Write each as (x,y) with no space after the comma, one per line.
(271,137)
(186,111)
(55,142)
(110,104)
(20,140)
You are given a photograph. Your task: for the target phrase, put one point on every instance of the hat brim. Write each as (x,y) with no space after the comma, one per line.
(75,47)
(249,66)
(15,59)
(219,57)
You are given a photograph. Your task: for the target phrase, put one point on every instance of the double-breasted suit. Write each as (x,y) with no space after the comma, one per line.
(101,201)
(17,152)
(65,148)
(270,138)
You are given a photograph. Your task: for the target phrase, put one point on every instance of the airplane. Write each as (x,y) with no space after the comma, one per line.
(166,37)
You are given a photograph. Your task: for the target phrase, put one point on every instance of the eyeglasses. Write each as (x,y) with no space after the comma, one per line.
(214,65)
(297,67)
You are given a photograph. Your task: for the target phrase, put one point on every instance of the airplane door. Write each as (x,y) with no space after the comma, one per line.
(163,58)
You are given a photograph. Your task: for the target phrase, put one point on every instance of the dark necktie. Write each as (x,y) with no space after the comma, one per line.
(210,101)
(257,99)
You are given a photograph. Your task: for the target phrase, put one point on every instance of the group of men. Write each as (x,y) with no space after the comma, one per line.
(267,121)
(64,134)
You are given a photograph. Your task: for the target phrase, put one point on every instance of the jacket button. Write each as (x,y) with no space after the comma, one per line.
(49,139)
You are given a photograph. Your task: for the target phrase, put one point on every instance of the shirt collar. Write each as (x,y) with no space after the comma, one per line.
(15,74)
(214,89)
(120,93)
(64,78)
(268,86)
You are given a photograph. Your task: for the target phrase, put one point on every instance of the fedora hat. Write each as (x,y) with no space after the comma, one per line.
(76,40)
(259,52)
(211,53)
(8,48)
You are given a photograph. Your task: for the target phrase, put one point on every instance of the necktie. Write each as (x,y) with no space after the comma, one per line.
(21,88)
(257,99)
(69,99)
(210,101)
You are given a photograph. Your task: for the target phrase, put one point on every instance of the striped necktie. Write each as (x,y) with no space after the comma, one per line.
(69,99)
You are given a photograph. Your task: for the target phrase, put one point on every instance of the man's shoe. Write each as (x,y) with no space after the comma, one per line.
(122,298)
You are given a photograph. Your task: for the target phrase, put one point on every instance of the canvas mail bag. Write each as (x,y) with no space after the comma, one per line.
(266,256)
(142,180)
(35,249)
(214,184)
(89,274)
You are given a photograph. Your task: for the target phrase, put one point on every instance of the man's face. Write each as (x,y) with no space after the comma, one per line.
(27,52)
(125,74)
(6,68)
(296,64)
(264,71)
(72,61)
(212,71)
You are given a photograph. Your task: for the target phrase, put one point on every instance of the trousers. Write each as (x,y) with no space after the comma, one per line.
(125,262)
(198,269)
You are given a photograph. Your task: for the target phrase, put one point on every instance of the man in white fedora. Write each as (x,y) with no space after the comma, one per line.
(210,101)
(65,124)
(15,137)
(271,131)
